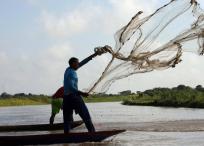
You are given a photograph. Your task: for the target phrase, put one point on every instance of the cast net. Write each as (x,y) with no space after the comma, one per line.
(155,42)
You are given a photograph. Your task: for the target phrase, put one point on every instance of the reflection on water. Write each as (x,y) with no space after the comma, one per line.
(145,125)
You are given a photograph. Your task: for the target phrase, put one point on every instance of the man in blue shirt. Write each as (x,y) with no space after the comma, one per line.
(73,97)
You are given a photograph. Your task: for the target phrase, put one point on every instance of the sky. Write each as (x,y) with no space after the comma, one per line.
(37,38)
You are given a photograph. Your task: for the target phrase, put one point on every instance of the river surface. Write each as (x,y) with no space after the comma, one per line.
(145,125)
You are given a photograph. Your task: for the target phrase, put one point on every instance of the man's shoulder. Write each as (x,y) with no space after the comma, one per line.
(69,71)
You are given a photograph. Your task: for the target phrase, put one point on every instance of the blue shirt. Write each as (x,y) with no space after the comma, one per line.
(71,79)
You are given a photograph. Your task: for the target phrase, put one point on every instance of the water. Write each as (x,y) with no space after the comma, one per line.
(145,125)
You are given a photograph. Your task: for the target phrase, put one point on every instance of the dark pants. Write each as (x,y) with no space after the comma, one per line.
(75,102)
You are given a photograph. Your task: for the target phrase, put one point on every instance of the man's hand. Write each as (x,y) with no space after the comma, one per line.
(84,94)
(102,50)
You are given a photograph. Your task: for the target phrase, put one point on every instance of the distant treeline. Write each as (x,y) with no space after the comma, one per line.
(7,95)
(180,96)
(179,91)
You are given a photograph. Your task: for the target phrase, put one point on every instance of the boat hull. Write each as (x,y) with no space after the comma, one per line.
(57,138)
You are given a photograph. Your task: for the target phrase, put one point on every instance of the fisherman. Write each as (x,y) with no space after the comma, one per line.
(73,97)
(56,103)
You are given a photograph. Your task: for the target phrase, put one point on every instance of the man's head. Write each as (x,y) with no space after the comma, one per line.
(74,63)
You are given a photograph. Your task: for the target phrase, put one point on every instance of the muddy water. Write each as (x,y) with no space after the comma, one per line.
(145,125)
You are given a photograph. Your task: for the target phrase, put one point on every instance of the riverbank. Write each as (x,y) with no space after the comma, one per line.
(181,96)
(159,101)
(20,101)
(43,100)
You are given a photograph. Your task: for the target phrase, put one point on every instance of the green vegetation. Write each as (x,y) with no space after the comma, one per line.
(105,98)
(40,100)
(17,101)
(181,96)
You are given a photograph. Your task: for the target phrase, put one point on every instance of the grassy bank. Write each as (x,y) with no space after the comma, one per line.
(104,98)
(181,96)
(19,101)
(194,102)
(41,100)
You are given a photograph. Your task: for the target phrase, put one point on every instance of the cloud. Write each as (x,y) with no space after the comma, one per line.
(36,73)
(90,16)
(32,1)
(120,12)
(3,58)
(69,23)
(131,7)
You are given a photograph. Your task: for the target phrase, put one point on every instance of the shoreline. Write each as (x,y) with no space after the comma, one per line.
(23,101)
(129,100)
(162,106)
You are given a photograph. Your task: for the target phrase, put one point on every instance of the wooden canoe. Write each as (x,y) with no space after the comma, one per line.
(39,127)
(57,138)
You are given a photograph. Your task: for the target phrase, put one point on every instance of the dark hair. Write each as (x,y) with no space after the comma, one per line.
(72,60)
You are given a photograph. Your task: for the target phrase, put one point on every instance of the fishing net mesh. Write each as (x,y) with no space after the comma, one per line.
(154,42)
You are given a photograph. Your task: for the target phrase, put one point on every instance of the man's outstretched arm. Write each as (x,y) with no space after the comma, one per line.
(98,51)
(86,60)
